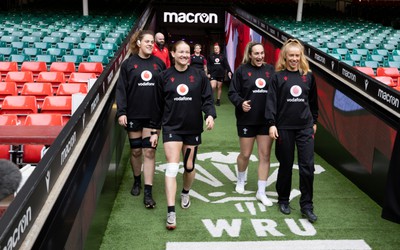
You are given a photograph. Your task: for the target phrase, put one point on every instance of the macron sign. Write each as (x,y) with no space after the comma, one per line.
(189,18)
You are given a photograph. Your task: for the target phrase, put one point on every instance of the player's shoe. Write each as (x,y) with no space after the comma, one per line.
(148,200)
(136,188)
(264,199)
(171,221)
(185,201)
(240,187)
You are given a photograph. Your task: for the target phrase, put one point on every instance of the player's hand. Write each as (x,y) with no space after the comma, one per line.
(123,120)
(273,132)
(210,122)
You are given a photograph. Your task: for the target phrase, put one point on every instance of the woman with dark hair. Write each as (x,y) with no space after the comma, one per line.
(182,96)
(248,92)
(292,112)
(135,103)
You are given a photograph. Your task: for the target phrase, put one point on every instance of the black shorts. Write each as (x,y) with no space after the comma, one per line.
(137,124)
(252,131)
(193,140)
(217,78)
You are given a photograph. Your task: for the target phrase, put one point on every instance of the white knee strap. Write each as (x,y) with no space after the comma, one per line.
(171,169)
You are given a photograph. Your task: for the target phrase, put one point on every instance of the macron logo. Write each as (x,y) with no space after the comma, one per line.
(181,17)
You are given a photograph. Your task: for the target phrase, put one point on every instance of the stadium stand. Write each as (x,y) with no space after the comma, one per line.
(71,88)
(6,67)
(19,77)
(53,77)
(80,77)
(6,89)
(59,105)
(38,89)
(66,67)
(91,67)
(19,105)
(35,67)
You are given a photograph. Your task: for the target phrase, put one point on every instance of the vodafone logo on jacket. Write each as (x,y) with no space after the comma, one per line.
(295,91)
(260,83)
(182,89)
(146,75)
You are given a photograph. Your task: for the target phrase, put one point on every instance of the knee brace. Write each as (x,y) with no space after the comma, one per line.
(171,169)
(186,157)
(146,143)
(135,143)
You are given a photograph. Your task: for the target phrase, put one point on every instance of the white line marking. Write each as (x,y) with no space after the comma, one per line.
(273,245)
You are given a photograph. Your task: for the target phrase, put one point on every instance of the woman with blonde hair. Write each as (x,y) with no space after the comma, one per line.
(292,112)
(248,92)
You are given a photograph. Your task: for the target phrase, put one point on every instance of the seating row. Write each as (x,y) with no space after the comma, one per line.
(39,66)
(31,153)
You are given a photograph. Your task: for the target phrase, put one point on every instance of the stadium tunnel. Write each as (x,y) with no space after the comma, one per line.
(77,179)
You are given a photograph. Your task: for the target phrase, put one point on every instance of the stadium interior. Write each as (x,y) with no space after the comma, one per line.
(59,61)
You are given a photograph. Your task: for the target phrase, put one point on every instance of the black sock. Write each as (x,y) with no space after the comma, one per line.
(148,188)
(171,209)
(185,191)
(137,178)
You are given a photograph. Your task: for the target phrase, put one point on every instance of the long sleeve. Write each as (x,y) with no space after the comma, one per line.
(207,98)
(121,93)
(159,103)
(235,89)
(313,99)
(271,103)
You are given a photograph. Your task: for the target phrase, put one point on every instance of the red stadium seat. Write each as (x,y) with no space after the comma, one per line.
(6,89)
(66,67)
(6,67)
(19,77)
(71,88)
(91,67)
(79,77)
(43,119)
(388,71)
(366,70)
(387,80)
(58,104)
(54,77)
(5,152)
(34,67)
(38,89)
(33,153)
(8,120)
(19,105)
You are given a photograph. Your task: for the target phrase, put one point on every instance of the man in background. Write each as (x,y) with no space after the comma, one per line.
(10,177)
(160,50)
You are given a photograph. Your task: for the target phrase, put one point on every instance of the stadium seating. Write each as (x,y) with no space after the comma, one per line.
(8,120)
(33,153)
(59,105)
(98,58)
(19,77)
(6,67)
(6,89)
(19,105)
(34,67)
(71,88)
(387,80)
(91,67)
(46,58)
(38,89)
(79,77)
(387,71)
(66,67)
(53,77)
(57,52)
(366,70)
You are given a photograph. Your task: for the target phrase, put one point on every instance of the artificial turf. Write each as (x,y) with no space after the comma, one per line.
(219,214)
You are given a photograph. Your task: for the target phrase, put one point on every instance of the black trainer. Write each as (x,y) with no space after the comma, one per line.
(148,200)
(218,102)
(309,214)
(136,189)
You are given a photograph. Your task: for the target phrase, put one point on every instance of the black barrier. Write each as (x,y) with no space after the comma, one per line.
(19,217)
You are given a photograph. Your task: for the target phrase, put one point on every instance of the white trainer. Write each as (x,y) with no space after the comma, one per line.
(185,201)
(239,187)
(264,199)
(171,221)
